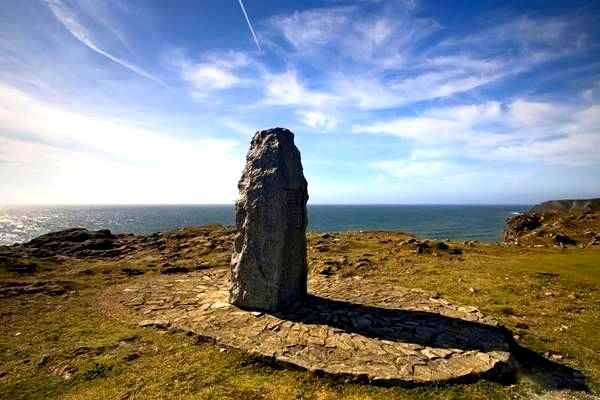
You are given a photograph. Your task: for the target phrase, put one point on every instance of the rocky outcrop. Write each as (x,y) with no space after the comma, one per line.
(268,266)
(75,242)
(179,251)
(520,224)
(567,205)
(559,229)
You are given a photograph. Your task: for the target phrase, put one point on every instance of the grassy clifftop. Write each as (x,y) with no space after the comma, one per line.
(56,342)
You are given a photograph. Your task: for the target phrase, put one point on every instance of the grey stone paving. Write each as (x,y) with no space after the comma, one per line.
(350,328)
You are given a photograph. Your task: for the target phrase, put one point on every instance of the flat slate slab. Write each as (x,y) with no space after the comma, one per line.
(349,328)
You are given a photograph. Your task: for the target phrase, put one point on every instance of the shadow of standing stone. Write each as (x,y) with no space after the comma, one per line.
(268,266)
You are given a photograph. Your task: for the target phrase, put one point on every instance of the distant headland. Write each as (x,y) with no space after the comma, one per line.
(567,205)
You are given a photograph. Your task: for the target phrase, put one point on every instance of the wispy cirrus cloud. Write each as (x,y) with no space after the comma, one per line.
(385,96)
(390,62)
(66,16)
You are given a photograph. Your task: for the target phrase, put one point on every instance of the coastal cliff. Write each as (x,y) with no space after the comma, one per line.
(559,223)
(567,205)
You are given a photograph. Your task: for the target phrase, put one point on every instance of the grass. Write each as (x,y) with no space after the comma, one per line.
(548,297)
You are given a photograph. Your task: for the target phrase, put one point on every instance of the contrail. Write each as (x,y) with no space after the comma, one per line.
(70,22)
(250,25)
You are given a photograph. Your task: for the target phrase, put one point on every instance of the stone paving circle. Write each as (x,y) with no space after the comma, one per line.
(349,328)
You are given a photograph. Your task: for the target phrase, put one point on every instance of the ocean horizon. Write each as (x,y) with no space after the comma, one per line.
(483,222)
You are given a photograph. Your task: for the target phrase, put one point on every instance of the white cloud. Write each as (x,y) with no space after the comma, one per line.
(205,76)
(417,169)
(576,144)
(522,131)
(471,114)
(592,93)
(311,29)
(217,71)
(286,89)
(317,119)
(529,113)
(381,40)
(101,160)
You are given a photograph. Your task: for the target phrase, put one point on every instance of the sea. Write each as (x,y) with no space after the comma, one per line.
(455,222)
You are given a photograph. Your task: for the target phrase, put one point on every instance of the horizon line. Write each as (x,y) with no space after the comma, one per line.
(233,204)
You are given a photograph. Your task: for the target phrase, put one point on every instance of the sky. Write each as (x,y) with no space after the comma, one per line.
(408,102)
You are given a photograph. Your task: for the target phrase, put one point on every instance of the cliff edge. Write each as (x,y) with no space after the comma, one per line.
(567,205)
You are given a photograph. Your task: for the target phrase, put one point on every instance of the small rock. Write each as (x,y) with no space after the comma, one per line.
(65,371)
(23,268)
(220,304)
(132,271)
(562,239)
(155,323)
(442,246)
(43,360)
(455,251)
(322,247)
(132,356)
(175,270)
(522,325)
(427,352)
(326,270)
(472,290)
(421,248)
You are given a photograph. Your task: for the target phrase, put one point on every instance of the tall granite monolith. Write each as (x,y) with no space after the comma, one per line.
(268,266)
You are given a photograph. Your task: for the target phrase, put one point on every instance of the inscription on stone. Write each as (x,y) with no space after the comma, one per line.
(295,207)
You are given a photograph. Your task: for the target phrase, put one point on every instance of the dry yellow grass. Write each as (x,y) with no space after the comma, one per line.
(548,297)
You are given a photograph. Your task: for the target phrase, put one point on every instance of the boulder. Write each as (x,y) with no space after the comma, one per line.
(268,265)
(562,239)
(519,224)
(421,248)
(75,242)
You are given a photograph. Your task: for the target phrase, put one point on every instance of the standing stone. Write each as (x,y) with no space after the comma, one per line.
(268,266)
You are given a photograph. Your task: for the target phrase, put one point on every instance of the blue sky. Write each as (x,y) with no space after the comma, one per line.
(115,101)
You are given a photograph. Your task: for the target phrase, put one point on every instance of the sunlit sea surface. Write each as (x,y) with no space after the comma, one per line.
(456,222)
